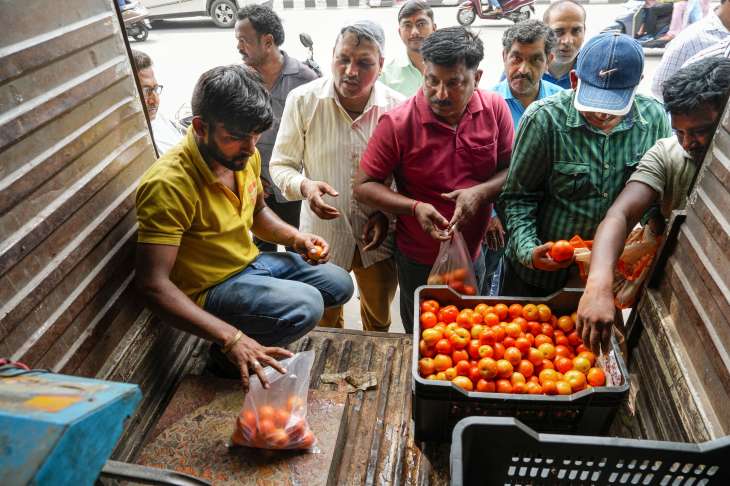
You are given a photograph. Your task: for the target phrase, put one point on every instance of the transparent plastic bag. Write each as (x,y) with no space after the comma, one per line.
(277,418)
(634,264)
(453,266)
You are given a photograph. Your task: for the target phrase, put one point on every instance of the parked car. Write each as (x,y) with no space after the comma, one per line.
(221,12)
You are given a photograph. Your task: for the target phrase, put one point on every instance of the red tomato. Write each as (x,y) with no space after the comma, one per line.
(460,355)
(498,350)
(443,346)
(463,368)
(430,306)
(526,368)
(485,386)
(474,373)
(463,382)
(448,314)
(487,368)
(561,251)
(486,351)
(473,349)
(513,355)
(503,386)
(523,344)
(487,337)
(426,367)
(428,320)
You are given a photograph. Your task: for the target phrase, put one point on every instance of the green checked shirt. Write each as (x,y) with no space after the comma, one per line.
(565,174)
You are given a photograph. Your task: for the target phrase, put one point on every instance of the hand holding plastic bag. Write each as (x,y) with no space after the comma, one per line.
(277,418)
(453,266)
(633,266)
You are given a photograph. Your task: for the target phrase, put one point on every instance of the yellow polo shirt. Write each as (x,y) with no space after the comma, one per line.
(181,203)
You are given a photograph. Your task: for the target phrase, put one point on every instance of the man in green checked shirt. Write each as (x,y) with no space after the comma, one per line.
(573,154)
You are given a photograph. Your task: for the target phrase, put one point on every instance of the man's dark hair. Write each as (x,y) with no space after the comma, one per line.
(235,96)
(451,46)
(702,82)
(527,32)
(264,21)
(141,60)
(560,4)
(412,7)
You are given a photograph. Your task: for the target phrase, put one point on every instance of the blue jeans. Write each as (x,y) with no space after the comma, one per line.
(279,297)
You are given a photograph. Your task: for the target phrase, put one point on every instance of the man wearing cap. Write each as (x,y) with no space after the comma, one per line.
(405,73)
(573,154)
(448,148)
(325,128)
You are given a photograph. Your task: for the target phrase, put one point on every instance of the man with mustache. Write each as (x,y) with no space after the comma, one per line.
(325,127)
(573,154)
(448,148)
(695,98)
(197,208)
(568,20)
(259,35)
(405,73)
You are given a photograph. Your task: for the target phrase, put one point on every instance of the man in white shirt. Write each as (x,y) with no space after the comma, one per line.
(325,128)
(713,28)
(164,133)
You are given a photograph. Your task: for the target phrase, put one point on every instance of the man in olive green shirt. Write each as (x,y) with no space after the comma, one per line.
(573,154)
(695,97)
(405,73)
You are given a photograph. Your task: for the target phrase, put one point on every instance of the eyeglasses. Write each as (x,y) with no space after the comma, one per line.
(147,92)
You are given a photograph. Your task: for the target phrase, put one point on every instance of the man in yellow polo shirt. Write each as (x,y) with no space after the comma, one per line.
(197,208)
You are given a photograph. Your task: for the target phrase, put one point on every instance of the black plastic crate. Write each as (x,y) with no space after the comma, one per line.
(439,405)
(501,451)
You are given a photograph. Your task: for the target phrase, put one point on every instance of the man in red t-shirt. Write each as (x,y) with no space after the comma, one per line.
(448,149)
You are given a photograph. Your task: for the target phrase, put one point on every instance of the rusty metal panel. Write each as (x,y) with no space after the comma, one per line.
(74,142)
(685,349)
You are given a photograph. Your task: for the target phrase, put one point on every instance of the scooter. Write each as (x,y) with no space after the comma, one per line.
(636,14)
(307,42)
(136,23)
(514,10)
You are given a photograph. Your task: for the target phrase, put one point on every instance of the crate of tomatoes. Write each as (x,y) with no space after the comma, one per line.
(509,356)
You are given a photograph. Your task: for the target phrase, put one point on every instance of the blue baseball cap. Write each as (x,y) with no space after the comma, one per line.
(609,70)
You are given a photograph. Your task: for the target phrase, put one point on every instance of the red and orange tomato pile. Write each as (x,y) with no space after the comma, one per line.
(505,349)
(270,427)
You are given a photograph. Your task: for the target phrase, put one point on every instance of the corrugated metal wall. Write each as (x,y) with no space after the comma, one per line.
(73,143)
(684,352)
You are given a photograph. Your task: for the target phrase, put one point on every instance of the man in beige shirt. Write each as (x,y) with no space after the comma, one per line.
(695,97)
(325,128)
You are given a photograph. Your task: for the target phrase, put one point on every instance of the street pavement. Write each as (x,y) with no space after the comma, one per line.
(183,49)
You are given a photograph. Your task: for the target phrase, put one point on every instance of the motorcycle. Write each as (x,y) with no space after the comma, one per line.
(514,10)
(136,23)
(642,21)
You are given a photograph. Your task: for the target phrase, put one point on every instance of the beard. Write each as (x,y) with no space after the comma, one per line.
(211,152)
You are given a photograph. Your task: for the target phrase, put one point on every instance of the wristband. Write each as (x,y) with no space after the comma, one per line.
(232,342)
(413,207)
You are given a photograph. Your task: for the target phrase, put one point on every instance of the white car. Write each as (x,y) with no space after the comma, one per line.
(222,12)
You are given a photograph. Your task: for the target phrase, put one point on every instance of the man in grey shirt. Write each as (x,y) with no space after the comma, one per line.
(259,33)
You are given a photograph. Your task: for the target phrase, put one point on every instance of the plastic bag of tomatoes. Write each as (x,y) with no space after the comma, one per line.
(453,266)
(277,418)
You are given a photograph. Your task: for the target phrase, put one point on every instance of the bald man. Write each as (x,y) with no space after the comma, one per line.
(568,19)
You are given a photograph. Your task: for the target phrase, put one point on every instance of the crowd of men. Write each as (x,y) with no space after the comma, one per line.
(370,168)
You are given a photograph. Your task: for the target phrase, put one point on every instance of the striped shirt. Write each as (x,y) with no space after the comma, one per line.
(316,132)
(565,174)
(689,42)
(721,49)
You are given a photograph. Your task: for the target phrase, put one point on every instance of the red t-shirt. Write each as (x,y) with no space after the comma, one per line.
(427,158)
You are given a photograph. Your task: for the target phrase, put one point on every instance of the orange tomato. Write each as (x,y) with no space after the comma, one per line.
(266,412)
(443,346)
(589,356)
(278,438)
(315,253)
(547,375)
(426,366)
(476,318)
(547,329)
(442,362)
(450,373)
(462,368)
(561,350)
(491,319)
(425,350)
(487,337)
(460,355)
(582,364)
(460,338)
(513,330)
(581,347)
(266,427)
(428,320)
(526,368)
(561,251)
(441,375)
(565,323)
(576,379)
(463,382)
(519,388)
(549,388)
(487,368)
(534,327)
(522,322)
(533,388)
(281,417)
(544,313)
(432,336)
(464,318)
(542,339)
(430,306)
(481,309)
(513,355)
(294,403)
(517,377)
(563,387)
(523,344)
(502,311)
(485,386)
(476,330)
(308,440)
(473,349)
(548,350)
(562,340)
(508,342)
(486,351)
(515,310)
(596,377)
(504,368)
(448,314)
(499,333)
(563,364)
(503,386)
(529,312)
(535,356)
(498,350)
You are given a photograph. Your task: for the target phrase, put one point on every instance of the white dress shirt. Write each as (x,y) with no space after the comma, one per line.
(317,133)
(720,49)
(689,42)
(166,135)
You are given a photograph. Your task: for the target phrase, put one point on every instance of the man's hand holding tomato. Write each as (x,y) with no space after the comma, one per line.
(313,248)
(541,259)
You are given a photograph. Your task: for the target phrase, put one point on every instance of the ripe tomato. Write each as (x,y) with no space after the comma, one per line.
(547,365)
(463,382)
(542,339)
(485,386)
(448,314)
(474,374)
(294,403)
(464,318)
(460,355)
(307,441)
(426,366)
(481,309)
(487,368)
(431,336)
(563,387)
(548,350)
(544,313)
(491,319)
(460,338)
(513,330)
(450,373)
(473,349)
(582,364)
(549,388)
(441,375)
(498,350)
(462,368)
(499,333)
(504,368)
(502,311)
(515,310)
(529,312)
(534,327)
(425,350)
(576,379)
(589,356)
(563,364)
(561,251)
(535,356)
(596,377)
(548,375)
(517,377)
(547,329)
(477,330)
(281,417)
(266,427)
(503,386)
(526,368)
(574,339)
(533,388)
(278,439)
(565,351)
(443,346)
(487,337)
(266,412)
(513,355)
(315,253)
(430,306)
(522,323)
(565,323)
(428,320)
(523,344)
(562,340)
(442,362)
(508,342)
(519,388)
(469,290)
(580,348)
(486,351)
